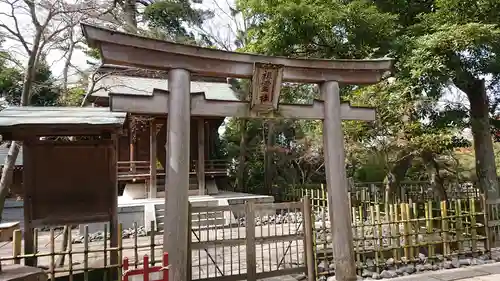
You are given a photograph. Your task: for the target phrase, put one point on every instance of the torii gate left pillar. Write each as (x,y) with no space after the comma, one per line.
(266,73)
(175,237)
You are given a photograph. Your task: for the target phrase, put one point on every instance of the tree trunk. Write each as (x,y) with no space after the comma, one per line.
(396,175)
(7,172)
(10,160)
(483,145)
(268,157)
(435,179)
(129,15)
(240,180)
(67,64)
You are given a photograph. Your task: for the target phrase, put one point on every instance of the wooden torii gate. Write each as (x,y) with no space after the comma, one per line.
(267,74)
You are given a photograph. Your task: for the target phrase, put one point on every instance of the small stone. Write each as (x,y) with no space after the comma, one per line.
(389,262)
(332,266)
(408,269)
(323,266)
(440,257)
(428,266)
(435,267)
(422,258)
(370,265)
(388,274)
(477,262)
(420,267)
(376,276)
(464,262)
(447,265)
(455,263)
(483,257)
(366,273)
(404,260)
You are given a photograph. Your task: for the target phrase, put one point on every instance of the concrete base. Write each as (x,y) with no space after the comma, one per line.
(143,211)
(16,272)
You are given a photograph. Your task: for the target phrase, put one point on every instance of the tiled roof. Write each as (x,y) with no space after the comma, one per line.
(32,115)
(144,86)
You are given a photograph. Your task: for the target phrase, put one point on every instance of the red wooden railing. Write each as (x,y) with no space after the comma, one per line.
(147,270)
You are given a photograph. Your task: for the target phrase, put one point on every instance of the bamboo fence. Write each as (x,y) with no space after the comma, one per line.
(402,233)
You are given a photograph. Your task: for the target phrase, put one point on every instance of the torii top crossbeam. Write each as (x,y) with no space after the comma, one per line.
(142,52)
(267,73)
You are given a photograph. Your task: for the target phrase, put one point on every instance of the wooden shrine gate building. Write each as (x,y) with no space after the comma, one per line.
(267,73)
(69,157)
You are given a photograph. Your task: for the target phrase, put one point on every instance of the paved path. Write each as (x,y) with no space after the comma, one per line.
(488,272)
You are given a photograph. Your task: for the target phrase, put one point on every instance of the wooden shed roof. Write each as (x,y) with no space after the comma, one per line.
(128,85)
(19,122)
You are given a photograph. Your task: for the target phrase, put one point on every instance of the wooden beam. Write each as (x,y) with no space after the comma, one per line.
(152,159)
(144,104)
(211,67)
(200,164)
(200,106)
(136,51)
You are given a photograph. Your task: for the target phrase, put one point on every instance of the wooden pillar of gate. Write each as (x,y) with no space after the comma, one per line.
(176,214)
(336,182)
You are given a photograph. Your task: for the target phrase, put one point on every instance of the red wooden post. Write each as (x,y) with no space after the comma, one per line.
(146,268)
(165,265)
(125,268)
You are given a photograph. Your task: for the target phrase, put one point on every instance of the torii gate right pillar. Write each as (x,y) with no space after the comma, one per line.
(336,182)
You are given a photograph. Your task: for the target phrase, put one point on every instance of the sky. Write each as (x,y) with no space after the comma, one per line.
(219,25)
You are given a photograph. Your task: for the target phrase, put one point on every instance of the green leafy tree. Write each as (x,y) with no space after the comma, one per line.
(45,91)
(169,19)
(438,45)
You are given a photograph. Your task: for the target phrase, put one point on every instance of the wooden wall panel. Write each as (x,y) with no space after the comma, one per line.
(73,182)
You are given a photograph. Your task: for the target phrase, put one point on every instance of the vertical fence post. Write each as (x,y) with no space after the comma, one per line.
(308,231)
(165,268)
(16,245)
(444,228)
(485,209)
(152,242)
(189,272)
(145,264)
(125,268)
(250,245)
